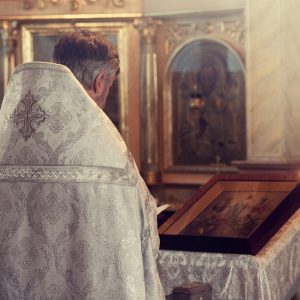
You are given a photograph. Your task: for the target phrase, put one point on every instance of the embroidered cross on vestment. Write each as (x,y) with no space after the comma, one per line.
(28,115)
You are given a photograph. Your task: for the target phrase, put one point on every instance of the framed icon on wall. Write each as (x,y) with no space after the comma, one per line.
(205,114)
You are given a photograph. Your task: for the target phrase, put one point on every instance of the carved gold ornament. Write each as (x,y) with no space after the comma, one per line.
(74,5)
(177,33)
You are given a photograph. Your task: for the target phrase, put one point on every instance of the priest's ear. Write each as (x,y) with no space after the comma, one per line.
(98,85)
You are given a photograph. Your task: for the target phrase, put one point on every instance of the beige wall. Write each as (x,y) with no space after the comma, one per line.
(273,73)
(158,7)
(146,7)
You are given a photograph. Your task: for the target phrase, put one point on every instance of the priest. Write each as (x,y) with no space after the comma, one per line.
(76,219)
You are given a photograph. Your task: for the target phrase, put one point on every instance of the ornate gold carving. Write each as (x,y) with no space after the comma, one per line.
(74,5)
(8,34)
(235,28)
(147,28)
(29,114)
(118,3)
(179,32)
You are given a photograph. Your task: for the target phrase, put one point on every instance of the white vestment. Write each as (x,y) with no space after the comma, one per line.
(76,219)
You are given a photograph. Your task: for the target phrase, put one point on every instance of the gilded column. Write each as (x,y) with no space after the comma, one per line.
(8,40)
(4,57)
(149,101)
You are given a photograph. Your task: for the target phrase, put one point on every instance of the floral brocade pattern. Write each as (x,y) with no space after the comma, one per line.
(81,255)
(53,208)
(5,206)
(74,239)
(58,117)
(25,253)
(76,219)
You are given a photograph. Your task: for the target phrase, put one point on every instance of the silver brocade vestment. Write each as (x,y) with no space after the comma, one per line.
(76,219)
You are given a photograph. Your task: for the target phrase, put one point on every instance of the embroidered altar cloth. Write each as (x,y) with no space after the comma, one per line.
(273,274)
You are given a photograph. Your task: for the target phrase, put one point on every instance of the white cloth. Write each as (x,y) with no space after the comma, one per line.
(76,219)
(272,274)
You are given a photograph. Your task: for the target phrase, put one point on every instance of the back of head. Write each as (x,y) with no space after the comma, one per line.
(86,54)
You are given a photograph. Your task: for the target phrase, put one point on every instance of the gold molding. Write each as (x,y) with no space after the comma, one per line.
(149,97)
(8,34)
(71,16)
(74,5)
(147,28)
(226,28)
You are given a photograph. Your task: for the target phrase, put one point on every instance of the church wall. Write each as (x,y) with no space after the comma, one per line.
(273,72)
(263,32)
(265,96)
(291,61)
(155,7)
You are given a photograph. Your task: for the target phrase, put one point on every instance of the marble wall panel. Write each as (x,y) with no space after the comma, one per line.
(291,62)
(162,7)
(273,71)
(264,71)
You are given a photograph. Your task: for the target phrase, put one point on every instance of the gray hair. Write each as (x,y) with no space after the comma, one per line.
(87,71)
(86,54)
